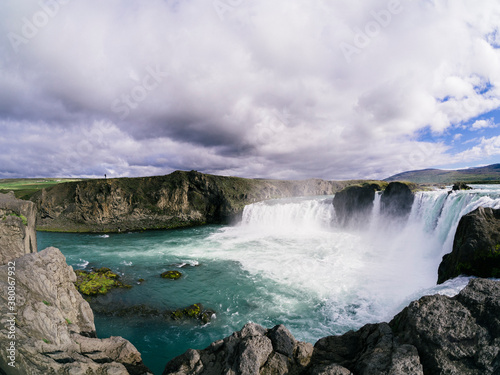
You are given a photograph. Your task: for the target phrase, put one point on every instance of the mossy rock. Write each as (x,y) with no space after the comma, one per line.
(172,275)
(196,311)
(99,281)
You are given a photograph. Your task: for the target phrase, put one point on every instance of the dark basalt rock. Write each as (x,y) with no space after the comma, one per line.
(253,350)
(476,247)
(455,335)
(397,200)
(354,204)
(460,186)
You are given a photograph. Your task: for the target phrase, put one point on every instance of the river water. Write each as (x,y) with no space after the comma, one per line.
(287,262)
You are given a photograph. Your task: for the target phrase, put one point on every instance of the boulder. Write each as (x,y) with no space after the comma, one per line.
(460,186)
(372,350)
(17,227)
(397,200)
(476,246)
(253,350)
(51,326)
(457,335)
(353,205)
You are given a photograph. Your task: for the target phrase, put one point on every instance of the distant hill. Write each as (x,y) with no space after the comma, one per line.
(488,174)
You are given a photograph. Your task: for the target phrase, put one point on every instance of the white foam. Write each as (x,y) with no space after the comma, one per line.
(83,263)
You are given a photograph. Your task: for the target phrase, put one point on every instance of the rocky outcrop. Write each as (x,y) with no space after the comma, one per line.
(460,186)
(354,204)
(172,201)
(476,246)
(457,335)
(17,227)
(253,350)
(434,335)
(51,327)
(397,200)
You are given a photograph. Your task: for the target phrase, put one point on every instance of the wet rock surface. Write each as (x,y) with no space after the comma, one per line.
(476,246)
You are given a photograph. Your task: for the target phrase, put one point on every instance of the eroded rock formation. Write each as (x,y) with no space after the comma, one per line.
(397,200)
(17,227)
(54,326)
(476,247)
(354,204)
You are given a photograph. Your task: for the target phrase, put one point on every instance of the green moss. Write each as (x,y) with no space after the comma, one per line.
(193,311)
(22,217)
(99,281)
(172,275)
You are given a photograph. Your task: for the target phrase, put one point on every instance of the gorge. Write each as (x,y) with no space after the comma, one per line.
(289,262)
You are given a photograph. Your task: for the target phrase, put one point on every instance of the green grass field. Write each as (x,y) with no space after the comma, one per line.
(24,188)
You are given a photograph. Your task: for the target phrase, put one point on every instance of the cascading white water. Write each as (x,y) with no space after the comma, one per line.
(290,214)
(360,276)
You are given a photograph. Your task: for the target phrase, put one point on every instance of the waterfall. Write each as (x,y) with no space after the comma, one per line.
(302,214)
(352,275)
(434,213)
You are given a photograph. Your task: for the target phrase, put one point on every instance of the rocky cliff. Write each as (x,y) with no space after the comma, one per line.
(434,335)
(172,201)
(476,246)
(397,199)
(47,327)
(51,327)
(17,228)
(354,204)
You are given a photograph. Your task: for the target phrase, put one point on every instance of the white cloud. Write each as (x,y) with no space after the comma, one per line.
(261,90)
(487,147)
(483,124)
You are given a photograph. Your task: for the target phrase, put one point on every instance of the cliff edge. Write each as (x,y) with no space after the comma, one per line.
(177,200)
(17,227)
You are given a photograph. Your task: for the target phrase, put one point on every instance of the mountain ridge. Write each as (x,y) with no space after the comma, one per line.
(484,174)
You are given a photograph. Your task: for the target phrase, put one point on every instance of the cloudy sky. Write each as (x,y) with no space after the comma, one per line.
(334,89)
